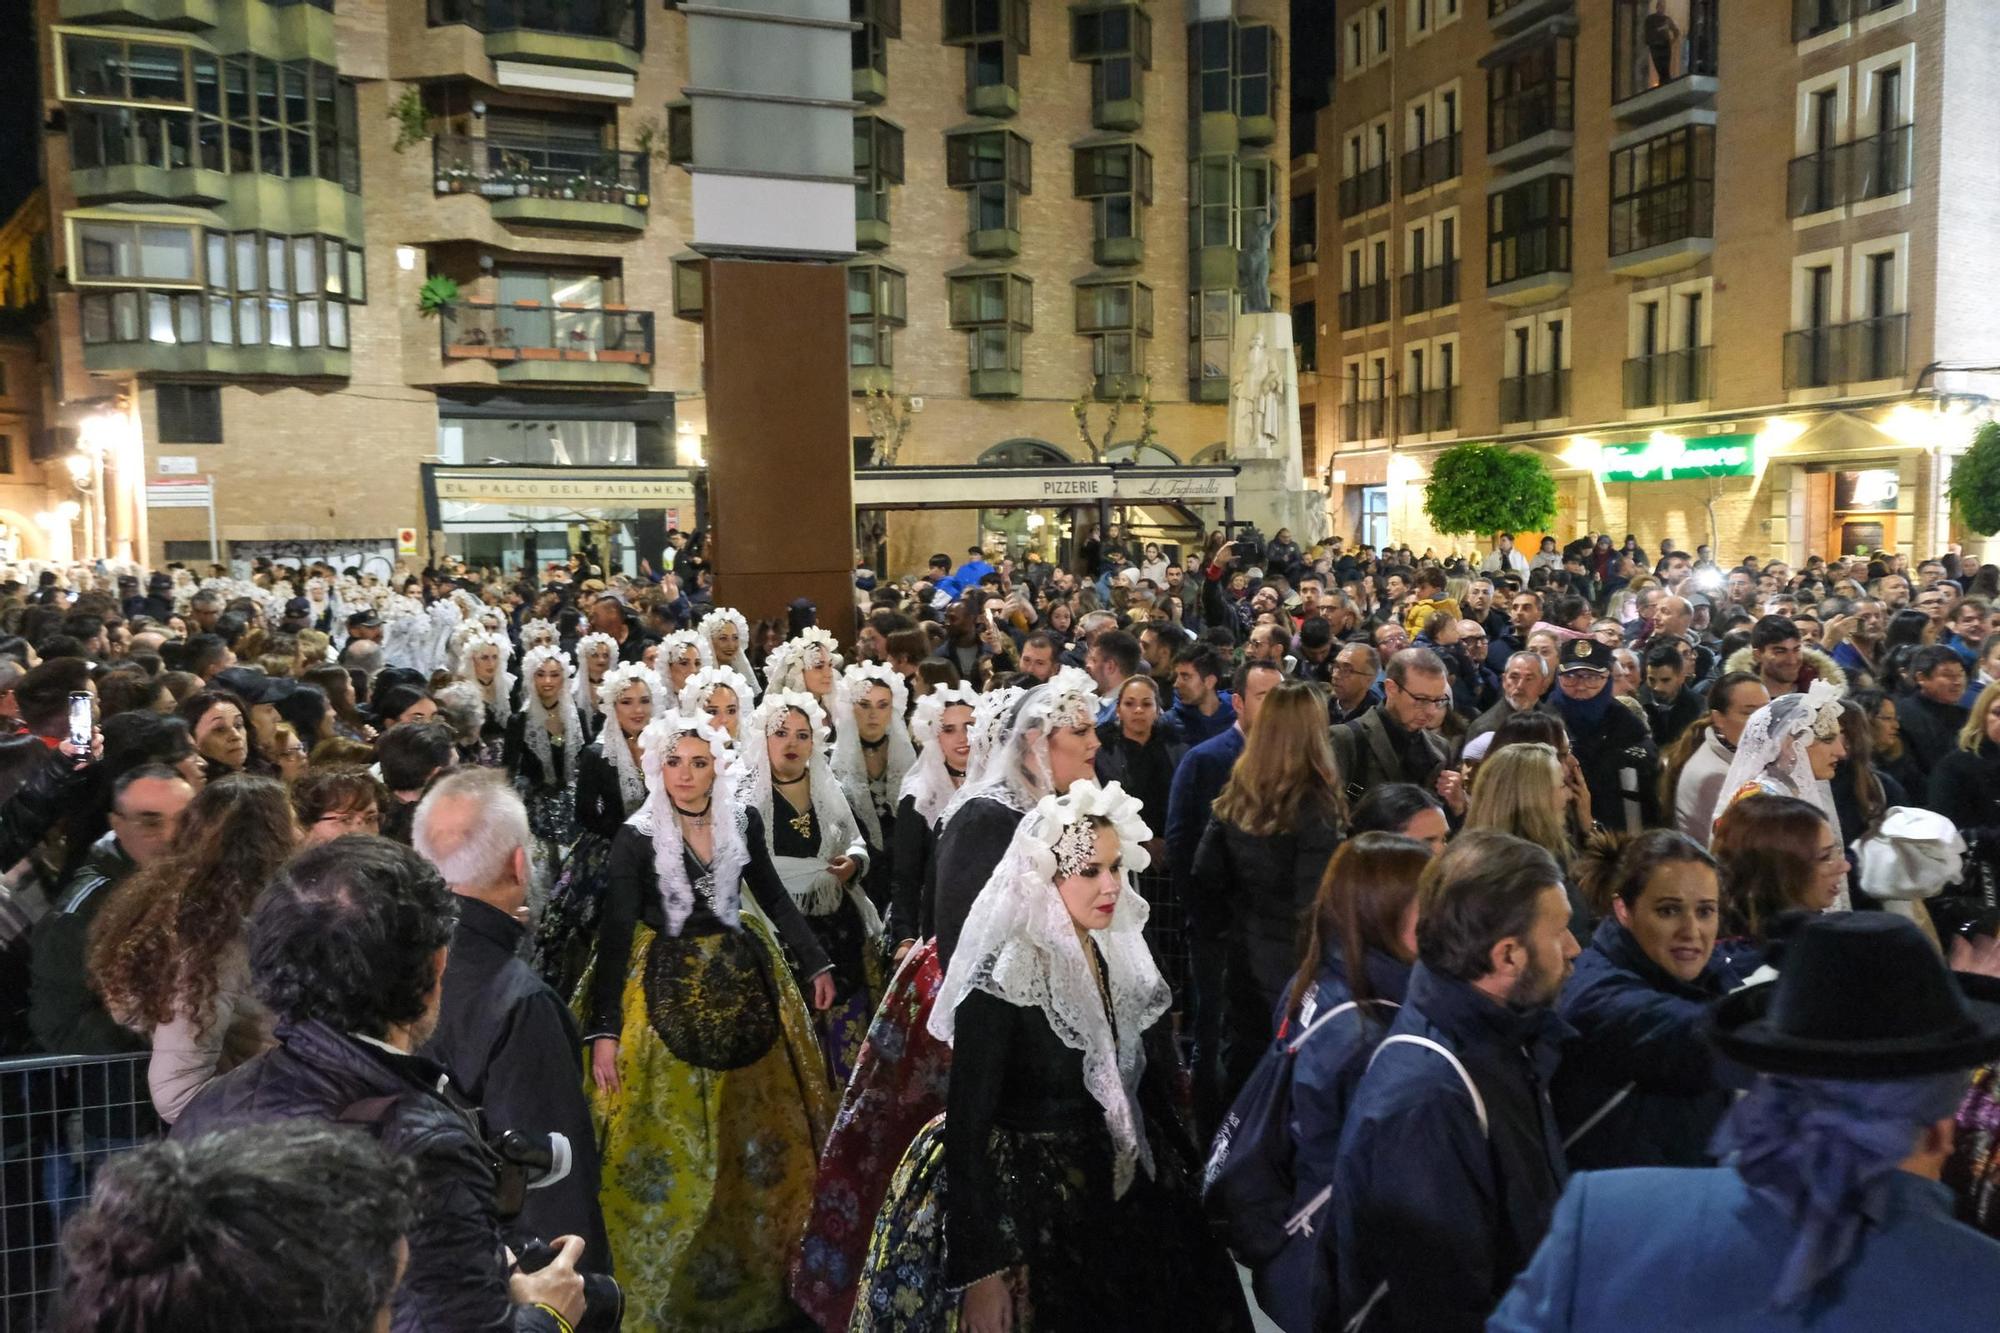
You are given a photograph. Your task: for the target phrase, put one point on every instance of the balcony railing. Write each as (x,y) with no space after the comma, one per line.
(1432,164)
(1528,253)
(1429,411)
(613,20)
(1365,190)
(1429,288)
(1680,376)
(1365,305)
(1641,66)
(501,170)
(1538,397)
(1810,18)
(527,331)
(1856,353)
(1850,173)
(1364,419)
(1662,214)
(1519,116)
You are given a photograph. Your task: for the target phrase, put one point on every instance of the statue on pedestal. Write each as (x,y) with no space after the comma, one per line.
(1253,264)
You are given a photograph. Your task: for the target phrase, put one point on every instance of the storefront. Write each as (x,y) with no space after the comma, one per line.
(521,518)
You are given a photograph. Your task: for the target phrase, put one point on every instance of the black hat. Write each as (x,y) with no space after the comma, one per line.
(1584,655)
(1861,995)
(160,582)
(364,619)
(298,608)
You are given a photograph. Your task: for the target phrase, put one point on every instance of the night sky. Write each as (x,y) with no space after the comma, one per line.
(20,162)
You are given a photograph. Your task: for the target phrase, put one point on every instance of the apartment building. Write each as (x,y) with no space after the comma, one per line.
(386,278)
(1721,262)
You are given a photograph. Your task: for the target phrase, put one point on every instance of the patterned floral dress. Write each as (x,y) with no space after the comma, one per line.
(857,977)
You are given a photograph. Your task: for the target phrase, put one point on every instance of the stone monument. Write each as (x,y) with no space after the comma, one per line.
(1272,490)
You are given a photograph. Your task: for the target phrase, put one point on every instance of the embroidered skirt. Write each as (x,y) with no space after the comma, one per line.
(898,1084)
(857,982)
(707,1175)
(567,936)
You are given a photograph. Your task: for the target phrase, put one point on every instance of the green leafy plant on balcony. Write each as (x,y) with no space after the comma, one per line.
(1975,482)
(413,122)
(437,292)
(1489,488)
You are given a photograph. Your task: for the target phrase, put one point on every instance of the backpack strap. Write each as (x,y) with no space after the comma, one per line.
(1320,1020)
(1597,1116)
(1478,1102)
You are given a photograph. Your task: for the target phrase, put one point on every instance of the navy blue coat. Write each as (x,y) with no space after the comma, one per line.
(1637,1025)
(1666,1249)
(1297,1288)
(1423,1200)
(1203,772)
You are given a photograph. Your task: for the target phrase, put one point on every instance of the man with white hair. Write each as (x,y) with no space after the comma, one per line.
(507,1038)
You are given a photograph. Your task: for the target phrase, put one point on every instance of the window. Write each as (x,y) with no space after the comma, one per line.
(1209,314)
(1877,338)
(1378,31)
(1530,94)
(1118,319)
(1212,201)
(1430,263)
(1353,47)
(1118,44)
(1813,349)
(6,454)
(1667,342)
(993,167)
(994,34)
(996,310)
(188,413)
(255,288)
(878,162)
(1527,230)
(1305,227)
(1118,180)
(124,253)
(1305,335)
(1663,190)
(1658,42)
(124,71)
(880,20)
(1535,360)
(1365,299)
(1256,71)
(1880,161)
(876,305)
(1211,58)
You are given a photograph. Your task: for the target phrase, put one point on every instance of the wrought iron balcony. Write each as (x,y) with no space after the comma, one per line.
(1850,173)
(1539,397)
(1680,376)
(1434,163)
(1855,353)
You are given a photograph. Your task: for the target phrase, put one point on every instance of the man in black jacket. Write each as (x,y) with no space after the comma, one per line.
(1670,705)
(507,1038)
(1932,717)
(1615,750)
(1399,741)
(347,947)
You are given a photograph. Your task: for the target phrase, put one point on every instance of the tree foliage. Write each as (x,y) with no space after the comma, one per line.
(1975,482)
(1487,488)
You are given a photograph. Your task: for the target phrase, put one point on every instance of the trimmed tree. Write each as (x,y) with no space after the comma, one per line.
(1487,488)
(1975,482)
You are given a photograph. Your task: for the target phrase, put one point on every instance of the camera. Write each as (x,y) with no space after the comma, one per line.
(1249,547)
(520,1161)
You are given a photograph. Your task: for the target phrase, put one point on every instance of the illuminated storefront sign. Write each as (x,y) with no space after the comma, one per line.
(1672,458)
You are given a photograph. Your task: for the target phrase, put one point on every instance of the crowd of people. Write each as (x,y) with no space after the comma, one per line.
(545,949)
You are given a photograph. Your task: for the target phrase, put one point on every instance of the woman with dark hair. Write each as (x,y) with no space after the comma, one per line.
(403,703)
(334,802)
(1778,854)
(1696,765)
(220,722)
(168,951)
(337,683)
(1891,758)
(1862,793)
(1401,807)
(130,690)
(1136,751)
(1909,630)
(1360,943)
(1638,1085)
(305,707)
(1260,862)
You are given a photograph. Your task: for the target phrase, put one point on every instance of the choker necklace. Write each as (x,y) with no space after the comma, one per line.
(701,818)
(867,744)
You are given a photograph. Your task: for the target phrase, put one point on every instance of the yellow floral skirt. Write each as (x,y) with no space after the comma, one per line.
(708,1174)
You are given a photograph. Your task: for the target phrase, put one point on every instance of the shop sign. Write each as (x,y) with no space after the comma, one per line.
(562,488)
(1172,489)
(1673,458)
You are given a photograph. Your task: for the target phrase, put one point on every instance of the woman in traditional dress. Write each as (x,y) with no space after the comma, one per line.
(1791,747)
(871,756)
(610,787)
(816,844)
(682,654)
(595,655)
(722,695)
(807,663)
(482,658)
(540,754)
(728,635)
(1058,1190)
(708,1087)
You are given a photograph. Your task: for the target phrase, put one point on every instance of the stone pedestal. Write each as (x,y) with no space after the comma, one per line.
(1272,491)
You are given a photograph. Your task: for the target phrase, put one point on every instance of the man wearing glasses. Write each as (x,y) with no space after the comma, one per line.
(1399,741)
(1476,687)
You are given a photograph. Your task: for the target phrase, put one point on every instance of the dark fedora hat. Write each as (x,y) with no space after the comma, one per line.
(1861,995)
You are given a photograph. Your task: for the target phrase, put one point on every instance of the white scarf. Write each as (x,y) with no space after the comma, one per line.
(714,621)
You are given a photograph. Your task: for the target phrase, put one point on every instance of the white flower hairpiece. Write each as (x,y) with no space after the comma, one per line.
(1823,708)
(683,639)
(660,735)
(777,703)
(547,652)
(1064,823)
(1072,700)
(697,688)
(537,632)
(622,675)
(589,643)
(929,714)
(866,675)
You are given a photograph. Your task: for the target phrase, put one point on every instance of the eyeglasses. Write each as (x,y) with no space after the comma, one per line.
(1423,700)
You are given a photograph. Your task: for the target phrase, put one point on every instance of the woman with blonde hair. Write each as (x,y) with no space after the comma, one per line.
(1521,790)
(1258,868)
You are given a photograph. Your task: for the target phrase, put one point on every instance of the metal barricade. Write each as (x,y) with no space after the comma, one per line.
(61,1118)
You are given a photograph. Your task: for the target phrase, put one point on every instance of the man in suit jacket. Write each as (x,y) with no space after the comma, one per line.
(1399,741)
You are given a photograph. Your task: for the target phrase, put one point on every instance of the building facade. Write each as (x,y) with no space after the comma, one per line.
(1690,250)
(400,279)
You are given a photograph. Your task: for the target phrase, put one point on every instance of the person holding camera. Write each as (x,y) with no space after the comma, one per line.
(347,947)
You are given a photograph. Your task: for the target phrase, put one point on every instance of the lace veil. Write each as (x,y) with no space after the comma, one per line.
(722,887)
(1020,944)
(1016,771)
(1772,752)
(631,776)
(814,887)
(586,693)
(499,696)
(929,781)
(714,621)
(849,762)
(535,731)
(694,694)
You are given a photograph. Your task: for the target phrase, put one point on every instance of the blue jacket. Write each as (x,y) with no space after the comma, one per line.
(1197,782)
(1297,1288)
(1667,1249)
(1196,728)
(1445,1214)
(1637,1027)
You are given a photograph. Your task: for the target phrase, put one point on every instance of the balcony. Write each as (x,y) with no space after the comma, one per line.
(1430,288)
(1429,412)
(587,34)
(1539,397)
(1666,378)
(182,331)
(1364,419)
(532,343)
(1850,173)
(1366,189)
(1433,164)
(1365,305)
(143,13)
(1663,228)
(1811,18)
(1530,264)
(1529,126)
(1660,67)
(604,189)
(1511,16)
(1862,352)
